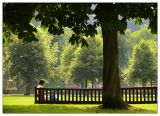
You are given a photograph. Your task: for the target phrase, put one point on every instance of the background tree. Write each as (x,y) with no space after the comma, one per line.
(126,44)
(67,57)
(88,62)
(6,66)
(62,41)
(67,15)
(143,62)
(63,55)
(32,61)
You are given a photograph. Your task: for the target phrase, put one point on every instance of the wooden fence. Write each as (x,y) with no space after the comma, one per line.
(132,95)
(140,95)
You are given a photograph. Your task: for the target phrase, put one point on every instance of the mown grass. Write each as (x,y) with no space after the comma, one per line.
(25,104)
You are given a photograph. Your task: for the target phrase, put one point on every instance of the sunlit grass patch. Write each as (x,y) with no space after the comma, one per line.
(149,107)
(25,104)
(18,100)
(70,108)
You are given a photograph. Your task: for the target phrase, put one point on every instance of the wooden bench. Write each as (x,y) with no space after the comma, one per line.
(131,95)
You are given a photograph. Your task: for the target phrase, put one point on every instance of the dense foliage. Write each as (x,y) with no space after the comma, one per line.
(17,17)
(29,60)
(70,63)
(143,63)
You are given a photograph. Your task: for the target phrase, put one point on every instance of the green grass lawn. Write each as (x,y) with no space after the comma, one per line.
(25,104)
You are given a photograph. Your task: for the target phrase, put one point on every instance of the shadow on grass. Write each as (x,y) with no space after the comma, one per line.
(69,108)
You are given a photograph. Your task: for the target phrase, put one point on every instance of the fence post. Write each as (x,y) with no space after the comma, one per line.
(91,95)
(46,99)
(80,94)
(72,94)
(61,94)
(76,95)
(133,94)
(69,95)
(57,94)
(87,95)
(65,95)
(53,95)
(122,93)
(129,95)
(144,94)
(84,95)
(152,94)
(99,95)
(95,95)
(125,95)
(50,96)
(155,94)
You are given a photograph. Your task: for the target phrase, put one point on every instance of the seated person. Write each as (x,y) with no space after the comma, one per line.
(41,84)
(41,91)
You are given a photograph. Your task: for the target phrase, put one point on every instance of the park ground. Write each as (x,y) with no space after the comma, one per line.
(25,104)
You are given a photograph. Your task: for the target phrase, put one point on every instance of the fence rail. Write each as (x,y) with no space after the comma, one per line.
(93,96)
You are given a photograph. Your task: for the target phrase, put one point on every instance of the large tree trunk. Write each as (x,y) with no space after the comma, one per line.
(112,97)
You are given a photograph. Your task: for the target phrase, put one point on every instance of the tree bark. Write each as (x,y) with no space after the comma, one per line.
(112,97)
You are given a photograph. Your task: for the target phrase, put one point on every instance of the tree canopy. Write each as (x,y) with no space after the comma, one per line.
(17,18)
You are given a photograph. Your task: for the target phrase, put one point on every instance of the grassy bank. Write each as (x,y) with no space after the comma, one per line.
(25,104)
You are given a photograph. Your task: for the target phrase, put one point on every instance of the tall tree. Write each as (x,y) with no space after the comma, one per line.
(67,57)
(88,62)
(111,16)
(63,41)
(126,44)
(144,62)
(127,41)
(32,61)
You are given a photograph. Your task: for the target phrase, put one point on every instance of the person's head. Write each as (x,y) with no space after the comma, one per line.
(41,82)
